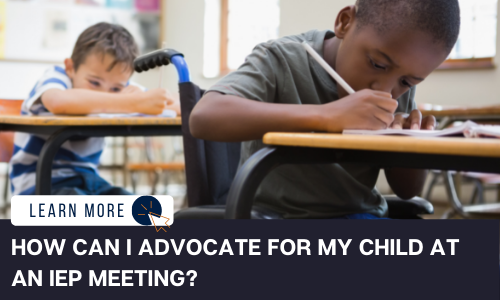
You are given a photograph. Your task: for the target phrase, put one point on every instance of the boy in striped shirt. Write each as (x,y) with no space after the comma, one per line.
(95,80)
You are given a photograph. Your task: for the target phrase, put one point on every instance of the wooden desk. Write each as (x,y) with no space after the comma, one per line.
(62,128)
(443,146)
(450,114)
(479,155)
(440,111)
(85,121)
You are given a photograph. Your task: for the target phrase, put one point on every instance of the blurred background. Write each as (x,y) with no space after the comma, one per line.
(215,37)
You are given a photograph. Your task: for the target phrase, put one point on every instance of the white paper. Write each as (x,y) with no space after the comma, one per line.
(461,130)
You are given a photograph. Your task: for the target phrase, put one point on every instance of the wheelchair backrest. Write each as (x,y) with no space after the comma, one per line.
(210,166)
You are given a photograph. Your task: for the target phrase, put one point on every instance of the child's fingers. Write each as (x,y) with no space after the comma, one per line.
(378,123)
(414,121)
(385,117)
(170,101)
(175,107)
(429,123)
(388,104)
(380,99)
(399,120)
(383,94)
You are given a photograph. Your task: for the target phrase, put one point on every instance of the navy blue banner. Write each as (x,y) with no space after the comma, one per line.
(254,259)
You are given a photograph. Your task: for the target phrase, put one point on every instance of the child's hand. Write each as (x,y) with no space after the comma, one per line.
(413,121)
(366,109)
(176,105)
(153,102)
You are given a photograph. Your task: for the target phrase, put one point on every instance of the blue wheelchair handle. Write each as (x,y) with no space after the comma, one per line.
(163,57)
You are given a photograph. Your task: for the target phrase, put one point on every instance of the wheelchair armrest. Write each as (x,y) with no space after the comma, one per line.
(403,209)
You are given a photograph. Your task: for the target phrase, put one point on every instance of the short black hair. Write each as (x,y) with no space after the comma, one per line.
(106,38)
(439,18)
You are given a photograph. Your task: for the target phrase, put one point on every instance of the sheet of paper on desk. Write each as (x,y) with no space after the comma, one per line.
(167,113)
(487,131)
(467,129)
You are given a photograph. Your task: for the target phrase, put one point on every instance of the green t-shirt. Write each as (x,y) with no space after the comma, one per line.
(281,71)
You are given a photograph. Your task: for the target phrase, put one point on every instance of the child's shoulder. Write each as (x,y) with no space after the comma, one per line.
(55,74)
(288,53)
(289,50)
(56,71)
(54,77)
(293,42)
(59,70)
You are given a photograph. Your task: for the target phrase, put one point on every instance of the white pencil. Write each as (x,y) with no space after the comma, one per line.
(327,68)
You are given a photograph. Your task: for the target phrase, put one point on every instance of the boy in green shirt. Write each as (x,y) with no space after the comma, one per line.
(382,49)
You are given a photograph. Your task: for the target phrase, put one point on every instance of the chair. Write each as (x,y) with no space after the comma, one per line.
(481,211)
(211,166)
(7,107)
(482,182)
(483,115)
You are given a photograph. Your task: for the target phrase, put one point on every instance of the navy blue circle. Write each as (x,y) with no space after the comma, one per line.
(143,206)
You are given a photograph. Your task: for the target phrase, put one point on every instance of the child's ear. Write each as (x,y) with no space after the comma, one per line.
(345,21)
(69,67)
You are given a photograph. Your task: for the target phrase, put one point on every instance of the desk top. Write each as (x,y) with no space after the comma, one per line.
(446,146)
(440,111)
(86,121)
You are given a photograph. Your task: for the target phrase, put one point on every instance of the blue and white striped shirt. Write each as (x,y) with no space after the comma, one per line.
(78,156)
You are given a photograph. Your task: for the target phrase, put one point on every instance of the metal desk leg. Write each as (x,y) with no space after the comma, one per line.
(457,181)
(498,192)
(435,178)
(247,180)
(452,195)
(47,154)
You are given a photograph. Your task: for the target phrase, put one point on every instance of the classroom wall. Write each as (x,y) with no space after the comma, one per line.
(183,31)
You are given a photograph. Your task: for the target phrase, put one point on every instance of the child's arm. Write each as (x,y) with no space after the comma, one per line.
(230,118)
(82,101)
(408,183)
